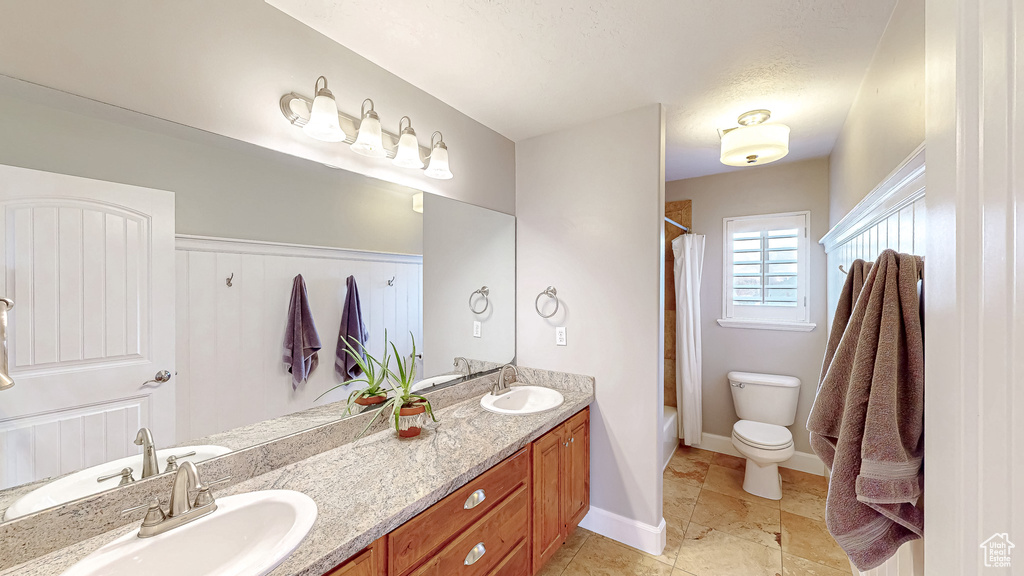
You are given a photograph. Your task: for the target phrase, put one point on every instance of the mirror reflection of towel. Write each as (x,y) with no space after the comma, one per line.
(301,342)
(353,331)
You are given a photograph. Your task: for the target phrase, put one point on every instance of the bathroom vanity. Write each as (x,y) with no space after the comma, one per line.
(485,527)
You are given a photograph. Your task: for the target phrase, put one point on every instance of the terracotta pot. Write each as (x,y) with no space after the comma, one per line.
(412,410)
(370,400)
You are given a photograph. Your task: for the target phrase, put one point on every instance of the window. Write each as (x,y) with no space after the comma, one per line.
(765,272)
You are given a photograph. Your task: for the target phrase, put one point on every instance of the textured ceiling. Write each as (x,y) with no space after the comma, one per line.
(527,67)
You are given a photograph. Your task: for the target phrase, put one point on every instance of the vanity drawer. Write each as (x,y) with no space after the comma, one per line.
(437,525)
(497,534)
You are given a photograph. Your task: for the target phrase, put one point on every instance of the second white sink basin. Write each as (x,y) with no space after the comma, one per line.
(523,400)
(83,483)
(248,535)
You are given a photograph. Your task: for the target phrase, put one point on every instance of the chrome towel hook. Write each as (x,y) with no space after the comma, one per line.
(483,292)
(550,292)
(5,378)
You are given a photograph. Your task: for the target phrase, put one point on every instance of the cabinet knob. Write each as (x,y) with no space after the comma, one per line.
(475,499)
(475,554)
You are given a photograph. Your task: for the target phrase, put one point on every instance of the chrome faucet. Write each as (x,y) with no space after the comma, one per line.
(180,510)
(150,466)
(502,385)
(460,360)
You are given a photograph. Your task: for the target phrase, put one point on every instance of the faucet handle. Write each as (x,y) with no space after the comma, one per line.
(125,474)
(205,497)
(172,461)
(154,513)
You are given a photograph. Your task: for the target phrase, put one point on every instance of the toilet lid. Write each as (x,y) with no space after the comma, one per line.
(761,435)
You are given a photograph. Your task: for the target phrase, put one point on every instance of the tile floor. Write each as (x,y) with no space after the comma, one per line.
(717,529)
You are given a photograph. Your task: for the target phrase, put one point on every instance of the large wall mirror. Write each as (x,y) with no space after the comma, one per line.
(151,267)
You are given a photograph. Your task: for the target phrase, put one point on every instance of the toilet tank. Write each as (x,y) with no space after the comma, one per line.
(767,398)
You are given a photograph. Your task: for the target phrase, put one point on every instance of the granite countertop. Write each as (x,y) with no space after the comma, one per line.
(369,487)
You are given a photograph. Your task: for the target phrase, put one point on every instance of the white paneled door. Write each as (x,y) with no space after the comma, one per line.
(90,268)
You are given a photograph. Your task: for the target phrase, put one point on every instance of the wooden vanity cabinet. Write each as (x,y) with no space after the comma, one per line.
(506,522)
(561,485)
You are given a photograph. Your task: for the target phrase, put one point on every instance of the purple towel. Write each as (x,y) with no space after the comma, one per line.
(301,341)
(352,330)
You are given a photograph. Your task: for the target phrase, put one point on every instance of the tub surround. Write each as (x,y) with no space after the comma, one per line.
(413,475)
(261,448)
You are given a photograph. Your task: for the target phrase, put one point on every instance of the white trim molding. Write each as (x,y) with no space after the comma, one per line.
(900,188)
(639,535)
(766,324)
(801,461)
(262,248)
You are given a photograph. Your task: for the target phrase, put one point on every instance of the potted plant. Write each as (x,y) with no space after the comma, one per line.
(407,410)
(375,374)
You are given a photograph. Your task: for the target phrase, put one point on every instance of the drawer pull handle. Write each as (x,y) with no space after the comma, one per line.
(475,499)
(475,554)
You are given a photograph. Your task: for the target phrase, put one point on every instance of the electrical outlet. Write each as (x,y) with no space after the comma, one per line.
(476,329)
(560,336)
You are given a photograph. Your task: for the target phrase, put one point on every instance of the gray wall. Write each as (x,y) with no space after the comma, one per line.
(466,247)
(589,209)
(761,190)
(886,121)
(223,66)
(222,187)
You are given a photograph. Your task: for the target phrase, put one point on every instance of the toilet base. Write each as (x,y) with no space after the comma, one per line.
(763,481)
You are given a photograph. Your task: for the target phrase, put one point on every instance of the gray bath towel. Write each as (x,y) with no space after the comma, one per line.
(301,342)
(867,422)
(352,331)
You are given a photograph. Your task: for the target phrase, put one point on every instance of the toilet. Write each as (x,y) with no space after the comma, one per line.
(766,404)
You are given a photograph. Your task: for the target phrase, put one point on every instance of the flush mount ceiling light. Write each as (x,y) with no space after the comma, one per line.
(438,167)
(319,118)
(370,139)
(754,143)
(323,117)
(408,153)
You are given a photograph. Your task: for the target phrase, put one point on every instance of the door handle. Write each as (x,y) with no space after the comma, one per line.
(5,378)
(160,377)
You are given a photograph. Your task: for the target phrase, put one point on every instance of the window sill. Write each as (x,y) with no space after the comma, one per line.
(766,324)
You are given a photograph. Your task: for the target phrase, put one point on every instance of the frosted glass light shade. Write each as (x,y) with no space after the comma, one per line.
(323,119)
(755,145)
(438,167)
(369,139)
(417,202)
(408,155)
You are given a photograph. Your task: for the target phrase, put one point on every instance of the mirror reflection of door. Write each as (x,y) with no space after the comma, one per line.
(90,267)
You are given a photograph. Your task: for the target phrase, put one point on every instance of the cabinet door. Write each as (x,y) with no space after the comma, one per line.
(548,523)
(369,562)
(576,494)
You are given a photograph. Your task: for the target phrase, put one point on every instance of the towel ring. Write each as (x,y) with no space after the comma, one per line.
(550,292)
(483,292)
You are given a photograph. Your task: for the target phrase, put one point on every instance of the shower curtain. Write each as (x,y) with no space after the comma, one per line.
(689,262)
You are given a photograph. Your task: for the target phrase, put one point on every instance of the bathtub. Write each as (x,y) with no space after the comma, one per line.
(669,434)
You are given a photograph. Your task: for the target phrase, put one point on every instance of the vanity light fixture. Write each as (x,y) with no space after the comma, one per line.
(438,167)
(323,117)
(754,142)
(417,202)
(369,139)
(408,153)
(320,118)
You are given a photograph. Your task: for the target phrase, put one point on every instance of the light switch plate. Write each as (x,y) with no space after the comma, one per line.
(476,329)
(560,336)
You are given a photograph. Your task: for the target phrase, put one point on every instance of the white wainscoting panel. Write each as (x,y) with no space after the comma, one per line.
(230,338)
(55,443)
(891,216)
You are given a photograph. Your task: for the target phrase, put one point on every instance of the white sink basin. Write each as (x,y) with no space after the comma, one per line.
(434,381)
(523,400)
(83,483)
(248,535)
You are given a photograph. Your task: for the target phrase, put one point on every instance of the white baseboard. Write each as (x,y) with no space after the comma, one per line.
(650,539)
(801,461)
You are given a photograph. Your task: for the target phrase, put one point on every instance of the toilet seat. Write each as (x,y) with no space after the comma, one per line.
(762,436)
